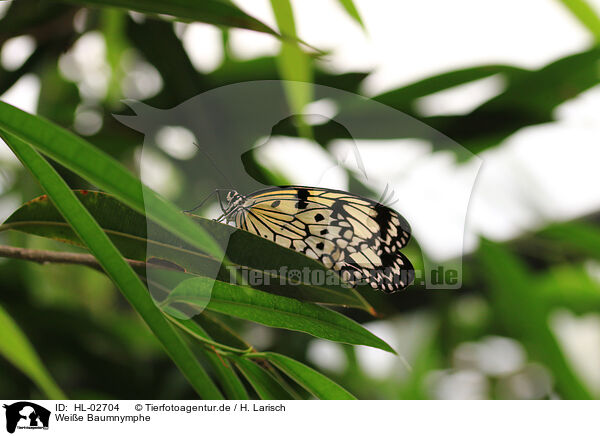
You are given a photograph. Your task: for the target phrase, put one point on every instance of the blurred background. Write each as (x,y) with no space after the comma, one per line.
(514,199)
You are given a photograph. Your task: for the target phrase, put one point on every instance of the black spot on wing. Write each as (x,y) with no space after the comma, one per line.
(302,195)
(338,208)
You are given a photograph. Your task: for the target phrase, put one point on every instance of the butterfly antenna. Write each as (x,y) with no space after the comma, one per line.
(359,162)
(215,165)
(208,197)
(387,198)
(383,194)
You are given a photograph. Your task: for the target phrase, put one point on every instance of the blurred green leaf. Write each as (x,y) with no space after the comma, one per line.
(529,98)
(311,380)
(9,78)
(33,16)
(266,68)
(294,65)
(17,349)
(273,310)
(428,359)
(58,98)
(577,237)
(113,29)
(570,286)
(115,266)
(265,385)
(586,15)
(157,42)
(404,98)
(515,299)
(350,8)
(207,11)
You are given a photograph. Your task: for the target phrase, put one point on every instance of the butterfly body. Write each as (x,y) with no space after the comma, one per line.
(355,236)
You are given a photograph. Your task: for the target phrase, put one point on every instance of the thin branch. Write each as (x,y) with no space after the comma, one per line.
(47,256)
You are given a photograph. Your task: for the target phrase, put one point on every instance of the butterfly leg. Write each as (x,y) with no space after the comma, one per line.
(216,192)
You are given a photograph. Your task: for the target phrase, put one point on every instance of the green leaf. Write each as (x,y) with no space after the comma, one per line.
(231,384)
(220,332)
(294,65)
(529,98)
(516,303)
(579,237)
(15,347)
(113,263)
(190,326)
(265,68)
(586,15)
(350,8)
(131,234)
(19,17)
(184,82)
(265,385)
(273,310)
(207,11)
(403,98)
(100,169)
(113,30)
(570,286)
(125,227)
(313,381)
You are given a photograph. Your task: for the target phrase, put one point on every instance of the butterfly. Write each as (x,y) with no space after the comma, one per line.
(357,237)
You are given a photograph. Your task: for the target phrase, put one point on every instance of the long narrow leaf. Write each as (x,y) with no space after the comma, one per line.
(265,385)
(230,383)
(221,332)
(113,263)
(586,15)
(294,65)
(15,347)
(311,380)
(350,8)
(273,310)
(207,11)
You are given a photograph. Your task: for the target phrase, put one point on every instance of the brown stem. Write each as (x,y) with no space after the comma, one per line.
(47,256)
